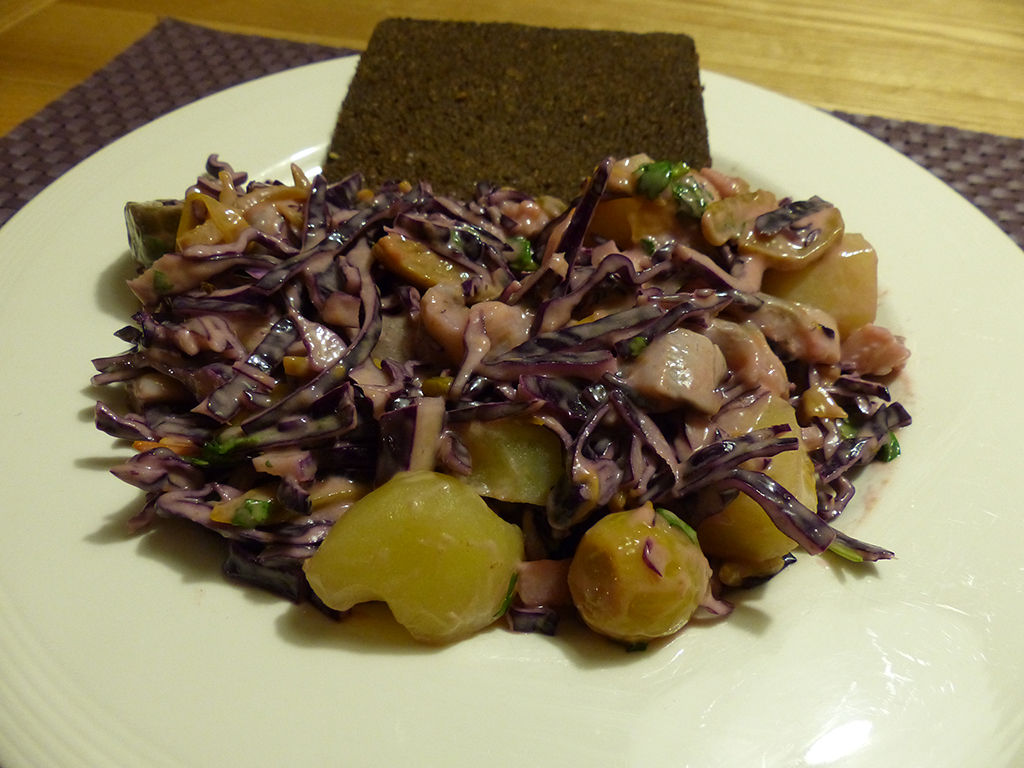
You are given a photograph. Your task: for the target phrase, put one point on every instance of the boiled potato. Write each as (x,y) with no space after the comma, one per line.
(636,576)
(628,220)
(413,261)
(513,459)
(843,283)
(742,533)
(428,546)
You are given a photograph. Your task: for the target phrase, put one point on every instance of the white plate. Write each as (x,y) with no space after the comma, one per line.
(124,651)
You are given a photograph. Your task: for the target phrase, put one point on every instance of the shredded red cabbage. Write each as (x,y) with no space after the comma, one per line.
(285,331)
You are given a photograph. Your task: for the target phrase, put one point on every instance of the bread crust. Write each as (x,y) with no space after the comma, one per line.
(456,103)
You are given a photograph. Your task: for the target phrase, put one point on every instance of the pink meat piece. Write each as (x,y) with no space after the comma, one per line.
(874,351)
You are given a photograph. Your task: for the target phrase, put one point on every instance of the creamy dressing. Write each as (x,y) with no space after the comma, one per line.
(635,354)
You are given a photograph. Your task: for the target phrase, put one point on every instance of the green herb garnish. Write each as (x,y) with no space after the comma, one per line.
(845,552)
(509,594)
(161,283)
(455,240)
(219,449)
(690,196)
(252,512)
(676,522)
(890,450)
(653,178)
(522,255)
(847,430)
(636,345)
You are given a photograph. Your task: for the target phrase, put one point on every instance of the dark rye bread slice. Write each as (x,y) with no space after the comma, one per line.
(455,103)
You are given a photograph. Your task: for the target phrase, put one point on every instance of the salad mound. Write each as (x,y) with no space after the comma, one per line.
(622,407)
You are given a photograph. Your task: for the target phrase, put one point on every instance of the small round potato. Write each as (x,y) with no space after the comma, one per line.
(428,546)
(636,576)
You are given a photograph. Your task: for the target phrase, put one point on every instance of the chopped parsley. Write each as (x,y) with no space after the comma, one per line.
(676,522)
(890,450)
(522,255)
(252,512)
(509,595)
(161,283)
(689,196)
(636,345)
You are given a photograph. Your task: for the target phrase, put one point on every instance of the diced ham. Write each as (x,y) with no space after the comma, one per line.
(529,216)
(208,332)
(446,317)
(749,357)
(150,388)
(324,347)
(637,256)
(289,462)
(506,326)
(872,350)
(722,184)
(622,175)
(800,331)
(679,367)
(375,384)
(544,583)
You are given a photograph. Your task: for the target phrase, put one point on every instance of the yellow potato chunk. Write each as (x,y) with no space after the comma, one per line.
(636,576)
(843,283)
(415,262)
(513,459)
(428,546)
(742,534)
(627,220)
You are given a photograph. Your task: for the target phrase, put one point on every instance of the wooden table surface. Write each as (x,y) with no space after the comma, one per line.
(933,61)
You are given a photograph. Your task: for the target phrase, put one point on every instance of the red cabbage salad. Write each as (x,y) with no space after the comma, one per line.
(624,409)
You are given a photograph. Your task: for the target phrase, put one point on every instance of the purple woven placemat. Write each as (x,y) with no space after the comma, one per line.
(172,65)
(176,63)
(986,169)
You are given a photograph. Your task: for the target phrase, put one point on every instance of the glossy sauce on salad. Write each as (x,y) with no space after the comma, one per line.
(624,408)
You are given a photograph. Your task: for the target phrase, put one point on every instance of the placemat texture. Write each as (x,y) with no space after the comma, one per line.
(176,63)
(172,65)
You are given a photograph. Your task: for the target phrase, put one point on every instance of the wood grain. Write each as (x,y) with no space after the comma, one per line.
(959,64)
